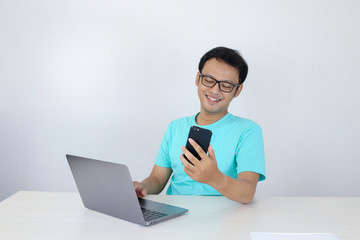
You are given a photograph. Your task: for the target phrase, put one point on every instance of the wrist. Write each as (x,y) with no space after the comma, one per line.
(219,180)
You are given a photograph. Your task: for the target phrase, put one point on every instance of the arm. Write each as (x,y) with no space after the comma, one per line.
(241,189)
(155,183)
(206,171)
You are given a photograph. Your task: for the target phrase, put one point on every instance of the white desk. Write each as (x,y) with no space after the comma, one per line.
(53,215)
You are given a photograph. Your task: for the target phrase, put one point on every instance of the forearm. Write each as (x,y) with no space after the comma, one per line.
(238,190)
(152,185)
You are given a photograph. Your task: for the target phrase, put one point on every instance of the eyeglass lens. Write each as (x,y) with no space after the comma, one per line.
(210,82)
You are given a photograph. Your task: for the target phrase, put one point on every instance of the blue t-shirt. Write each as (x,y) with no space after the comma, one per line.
(237,143)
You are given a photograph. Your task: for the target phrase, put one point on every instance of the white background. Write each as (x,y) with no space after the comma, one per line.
(103,79)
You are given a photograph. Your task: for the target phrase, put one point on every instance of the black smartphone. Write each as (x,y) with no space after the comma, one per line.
(202,137)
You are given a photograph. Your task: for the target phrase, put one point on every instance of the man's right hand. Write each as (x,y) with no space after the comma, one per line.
(139,189)
(153,184)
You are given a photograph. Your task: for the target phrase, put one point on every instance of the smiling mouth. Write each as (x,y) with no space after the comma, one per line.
(213,99)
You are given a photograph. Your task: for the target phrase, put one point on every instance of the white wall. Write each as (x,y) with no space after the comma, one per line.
(104,78)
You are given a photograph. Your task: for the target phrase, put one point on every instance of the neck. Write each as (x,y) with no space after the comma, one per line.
(205,118)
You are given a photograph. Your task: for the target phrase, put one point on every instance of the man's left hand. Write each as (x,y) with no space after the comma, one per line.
(205,170)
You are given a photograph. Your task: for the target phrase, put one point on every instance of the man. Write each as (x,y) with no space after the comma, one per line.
(235,161)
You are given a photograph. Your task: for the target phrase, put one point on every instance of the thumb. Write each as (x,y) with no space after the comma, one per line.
(211,153)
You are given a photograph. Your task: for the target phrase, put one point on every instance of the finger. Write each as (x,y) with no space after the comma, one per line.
(198,149)
(143,192)
(136,187)
(184,160)
(189,173)
(138,192)
(193,160)
(187,165)
(211,153)
(139,189)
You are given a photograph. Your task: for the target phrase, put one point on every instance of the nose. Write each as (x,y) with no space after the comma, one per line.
(216,88)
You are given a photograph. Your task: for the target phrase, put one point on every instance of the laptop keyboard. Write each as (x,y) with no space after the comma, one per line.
(151,215)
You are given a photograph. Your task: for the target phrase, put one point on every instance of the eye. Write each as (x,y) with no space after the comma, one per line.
(226,86)
(208,80)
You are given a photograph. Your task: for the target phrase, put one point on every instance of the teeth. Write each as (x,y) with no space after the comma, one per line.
(213,99)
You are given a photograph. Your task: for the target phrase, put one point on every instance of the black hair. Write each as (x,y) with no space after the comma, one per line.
(229,56)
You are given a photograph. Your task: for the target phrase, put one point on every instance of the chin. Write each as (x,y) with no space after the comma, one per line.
(213,110)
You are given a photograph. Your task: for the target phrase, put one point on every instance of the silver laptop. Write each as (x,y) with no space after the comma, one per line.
(107,188)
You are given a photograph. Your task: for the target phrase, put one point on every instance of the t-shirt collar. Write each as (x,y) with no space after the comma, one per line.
(213,125)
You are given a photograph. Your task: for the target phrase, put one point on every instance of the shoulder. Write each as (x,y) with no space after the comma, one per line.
(243,123)
(181,122)
(179,126)
(244,128)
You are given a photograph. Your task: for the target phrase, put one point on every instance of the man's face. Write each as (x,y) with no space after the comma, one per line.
(213,100)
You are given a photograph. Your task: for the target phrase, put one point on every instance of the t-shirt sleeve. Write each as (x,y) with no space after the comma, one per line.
(163,157)
(250,154)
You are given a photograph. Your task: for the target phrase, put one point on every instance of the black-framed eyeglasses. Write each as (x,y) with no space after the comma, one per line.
(210,82)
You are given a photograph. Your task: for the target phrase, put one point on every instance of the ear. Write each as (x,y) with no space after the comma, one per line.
(238,90)
(197,80)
